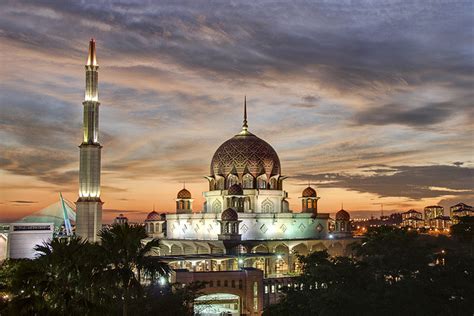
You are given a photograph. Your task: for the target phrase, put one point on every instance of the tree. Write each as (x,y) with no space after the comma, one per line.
(75,277)
(60,281)
(129,260)
(395,272)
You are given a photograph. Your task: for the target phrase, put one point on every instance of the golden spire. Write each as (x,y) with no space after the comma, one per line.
(245,127)
(91,58)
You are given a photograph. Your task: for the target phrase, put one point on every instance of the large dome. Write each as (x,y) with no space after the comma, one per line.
(245,153)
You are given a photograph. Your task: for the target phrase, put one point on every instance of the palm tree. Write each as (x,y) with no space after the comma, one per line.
(61,280)
(129,260)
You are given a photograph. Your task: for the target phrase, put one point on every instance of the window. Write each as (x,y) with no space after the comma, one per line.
(226,283)
(266,289)
(255,296)
(261,183)
(218,283)
(211,284)
(273,288)
(233,283)
(240,284)
(231,180)
(248,181)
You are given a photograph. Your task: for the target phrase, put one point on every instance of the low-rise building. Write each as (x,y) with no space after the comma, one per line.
(413,219)
(460,210)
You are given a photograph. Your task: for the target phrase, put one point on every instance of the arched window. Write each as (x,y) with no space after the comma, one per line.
(261,182)
(273,184)
(216,206)
(231,180)
(220,183)
(248,181)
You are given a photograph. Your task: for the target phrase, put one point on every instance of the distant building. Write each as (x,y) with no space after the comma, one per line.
(121,220)
(440,222)
(433,211)
(460,210)
(412,219)
(23,237)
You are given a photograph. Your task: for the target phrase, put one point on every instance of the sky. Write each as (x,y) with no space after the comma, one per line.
(369,101)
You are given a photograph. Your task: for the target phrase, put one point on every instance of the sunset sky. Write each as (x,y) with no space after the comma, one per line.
(371,101)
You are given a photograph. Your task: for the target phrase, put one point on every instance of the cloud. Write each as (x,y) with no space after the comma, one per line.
(24,202)
(413,182)
(419,117)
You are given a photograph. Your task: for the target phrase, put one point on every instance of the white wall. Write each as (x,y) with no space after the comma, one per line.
(23,237)
(254,226)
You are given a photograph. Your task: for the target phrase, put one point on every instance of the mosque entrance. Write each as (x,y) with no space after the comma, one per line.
(218,304)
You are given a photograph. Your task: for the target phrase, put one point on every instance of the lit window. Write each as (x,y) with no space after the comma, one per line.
(266,289)
(273,288)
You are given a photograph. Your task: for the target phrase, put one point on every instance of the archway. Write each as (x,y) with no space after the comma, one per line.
(260,249)
(217,304)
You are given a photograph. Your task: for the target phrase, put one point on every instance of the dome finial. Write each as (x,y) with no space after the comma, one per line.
(244,125)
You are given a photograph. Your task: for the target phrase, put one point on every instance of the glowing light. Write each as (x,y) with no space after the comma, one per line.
(162,281)
(241,261)
(279,257)
(331,236)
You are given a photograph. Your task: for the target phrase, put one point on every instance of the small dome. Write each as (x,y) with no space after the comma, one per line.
(184,194)
(235,189)
(153,216)
(229,215)
(342,215)
(309,192)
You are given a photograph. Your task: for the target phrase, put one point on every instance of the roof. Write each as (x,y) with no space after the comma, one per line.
(184,194)
(309,192)
(342,215)
(229,215)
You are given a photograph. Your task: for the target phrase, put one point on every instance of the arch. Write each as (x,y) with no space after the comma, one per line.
(267,206)
(188,249)
(175,250)
(231,180)
(318,247)
(219,183)
(336,249)
(260,249)
(300,249)
(248,181)
(281,249)
(262,182)
(217,206)
(273,183)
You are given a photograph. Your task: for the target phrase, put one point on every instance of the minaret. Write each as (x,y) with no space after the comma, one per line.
(89,205)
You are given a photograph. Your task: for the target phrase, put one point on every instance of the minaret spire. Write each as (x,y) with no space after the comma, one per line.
(245,126)
(89,205)
(91,58)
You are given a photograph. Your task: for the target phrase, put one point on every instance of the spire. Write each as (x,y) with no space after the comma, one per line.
(91,58)
(245,127)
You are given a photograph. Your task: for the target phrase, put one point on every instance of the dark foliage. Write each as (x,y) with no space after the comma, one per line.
(395,272)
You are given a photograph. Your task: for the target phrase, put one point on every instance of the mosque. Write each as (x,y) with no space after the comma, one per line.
(245,241)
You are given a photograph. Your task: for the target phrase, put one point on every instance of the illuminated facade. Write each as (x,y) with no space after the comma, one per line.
(245,241)
(245,175)
(89,205)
